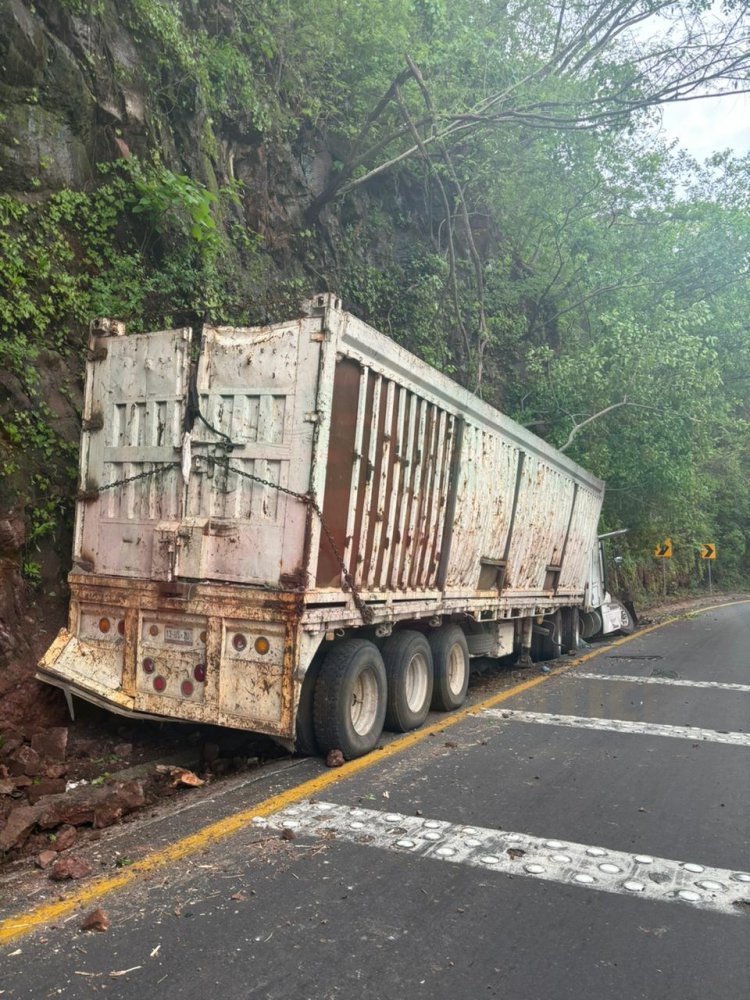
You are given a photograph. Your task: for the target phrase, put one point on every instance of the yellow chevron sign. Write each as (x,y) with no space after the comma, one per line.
(708,551)
(664,549)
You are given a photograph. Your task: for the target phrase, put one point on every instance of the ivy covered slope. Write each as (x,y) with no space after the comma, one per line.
(484,182)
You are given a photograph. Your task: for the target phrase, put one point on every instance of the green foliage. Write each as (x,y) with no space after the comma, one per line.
(578,269)
(144,245)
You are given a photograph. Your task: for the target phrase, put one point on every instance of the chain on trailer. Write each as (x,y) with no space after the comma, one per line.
(308,499)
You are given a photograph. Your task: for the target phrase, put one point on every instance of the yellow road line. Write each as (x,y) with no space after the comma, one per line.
(16,926)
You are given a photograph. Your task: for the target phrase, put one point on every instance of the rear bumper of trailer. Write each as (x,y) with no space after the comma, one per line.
(215,655)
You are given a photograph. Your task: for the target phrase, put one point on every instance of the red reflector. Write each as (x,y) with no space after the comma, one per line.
(200,673)
(160,683)
(121,626)
(187,688)
(239,642)
(148,665)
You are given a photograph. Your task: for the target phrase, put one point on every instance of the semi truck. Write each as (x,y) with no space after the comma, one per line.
(303,530)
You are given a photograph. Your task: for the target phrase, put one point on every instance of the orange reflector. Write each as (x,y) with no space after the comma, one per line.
(262,645)
(104,625)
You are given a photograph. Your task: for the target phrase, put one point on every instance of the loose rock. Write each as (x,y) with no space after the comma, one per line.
(97,920)
(26,761)
(70,868)
(48,786)
(335,758)
(21,822)
(51,743)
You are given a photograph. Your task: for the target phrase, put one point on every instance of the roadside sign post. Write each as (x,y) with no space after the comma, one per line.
(663,551)
(708,552)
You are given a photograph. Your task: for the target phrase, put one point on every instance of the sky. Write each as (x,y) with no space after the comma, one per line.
(710,124)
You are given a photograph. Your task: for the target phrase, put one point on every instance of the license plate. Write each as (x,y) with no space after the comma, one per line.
(180,636)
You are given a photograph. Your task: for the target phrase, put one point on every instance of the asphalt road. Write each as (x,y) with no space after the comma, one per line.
(587,836)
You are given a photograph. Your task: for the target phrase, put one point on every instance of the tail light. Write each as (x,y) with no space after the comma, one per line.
(121,626)
(187,688)
(160,684)
(148,665)
(200,673)
(239,641)
(262,645)
(104,625)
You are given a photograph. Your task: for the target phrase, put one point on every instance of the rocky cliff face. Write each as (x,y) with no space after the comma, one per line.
(83,87)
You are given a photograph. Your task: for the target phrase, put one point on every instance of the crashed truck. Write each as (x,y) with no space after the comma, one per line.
(303,530)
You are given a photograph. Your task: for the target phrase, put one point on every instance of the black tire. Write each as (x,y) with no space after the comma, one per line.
(408,668)
(450,658)
(570,632)
(349,701)
(305,742)
(546,641)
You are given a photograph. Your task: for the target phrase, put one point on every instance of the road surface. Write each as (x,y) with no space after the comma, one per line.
(584,834)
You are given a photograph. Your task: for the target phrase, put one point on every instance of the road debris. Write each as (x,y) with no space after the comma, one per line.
(180,776)
(70,868)
(97,920)
(124,972)
(335,758)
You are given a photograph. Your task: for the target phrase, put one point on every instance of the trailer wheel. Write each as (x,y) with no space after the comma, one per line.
(546,640)
(450,657)
(570,632)
(305,742)
(349,702)
(408,667)
(591,625)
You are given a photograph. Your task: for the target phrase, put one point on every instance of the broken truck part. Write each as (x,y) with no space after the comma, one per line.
(306,531)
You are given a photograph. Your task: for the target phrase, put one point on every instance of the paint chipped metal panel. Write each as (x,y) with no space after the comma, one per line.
(136,386)
(544,504)
(484,501)
(581,541)
(257,391)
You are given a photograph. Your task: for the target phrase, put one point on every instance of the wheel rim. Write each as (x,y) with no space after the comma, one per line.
(416,682)
(364,706)
(456,669)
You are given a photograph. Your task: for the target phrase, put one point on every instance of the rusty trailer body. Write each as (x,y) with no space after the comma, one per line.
(297,486)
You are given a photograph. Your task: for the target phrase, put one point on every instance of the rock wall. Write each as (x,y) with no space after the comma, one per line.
(79,90)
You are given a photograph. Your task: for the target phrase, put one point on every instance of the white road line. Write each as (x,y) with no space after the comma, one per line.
(582,865)
(622,726)
(717,685)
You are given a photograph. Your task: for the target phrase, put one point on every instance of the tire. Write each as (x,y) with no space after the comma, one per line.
(305,742)
(570,632)
(349,701)
(591,625)
(546,642)
(450,658)
(408,668)
(628,620)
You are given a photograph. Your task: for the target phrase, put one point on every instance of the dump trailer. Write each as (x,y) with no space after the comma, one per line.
(303,530)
